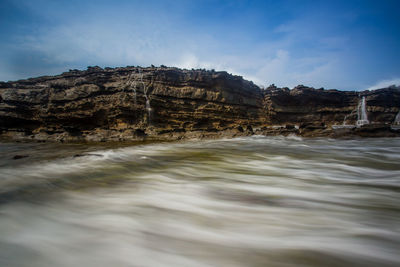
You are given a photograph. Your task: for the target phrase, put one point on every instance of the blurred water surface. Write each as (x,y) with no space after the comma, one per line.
(256,201)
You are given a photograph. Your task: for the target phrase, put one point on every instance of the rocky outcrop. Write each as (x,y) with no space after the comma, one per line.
(168,103)
(315,111)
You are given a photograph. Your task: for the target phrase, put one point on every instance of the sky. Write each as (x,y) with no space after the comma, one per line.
(347,45)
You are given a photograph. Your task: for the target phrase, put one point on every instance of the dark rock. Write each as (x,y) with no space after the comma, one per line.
(140,132)
(20,156)
(85,155)
(113,104)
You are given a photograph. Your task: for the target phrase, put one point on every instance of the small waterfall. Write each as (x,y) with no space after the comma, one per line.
(345,118)
(397,119)
(362,118)
(148,106)
(134,91)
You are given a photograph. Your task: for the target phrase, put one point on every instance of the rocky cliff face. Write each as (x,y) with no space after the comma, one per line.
(315,110)
(168,103)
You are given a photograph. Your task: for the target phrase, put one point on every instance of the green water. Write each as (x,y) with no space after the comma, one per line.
(257,201)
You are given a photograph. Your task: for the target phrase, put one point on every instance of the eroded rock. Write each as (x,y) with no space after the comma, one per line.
(133,103)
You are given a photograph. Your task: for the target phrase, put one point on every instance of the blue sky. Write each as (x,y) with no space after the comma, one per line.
(348,45)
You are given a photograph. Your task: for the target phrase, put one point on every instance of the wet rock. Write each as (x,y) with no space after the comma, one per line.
(85,155)
(20,156)
(133,103)
(240,129)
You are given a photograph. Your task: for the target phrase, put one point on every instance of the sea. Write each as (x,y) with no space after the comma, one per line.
(253,201)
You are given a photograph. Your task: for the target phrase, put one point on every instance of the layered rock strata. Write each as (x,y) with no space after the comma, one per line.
(131,103)
(315,111)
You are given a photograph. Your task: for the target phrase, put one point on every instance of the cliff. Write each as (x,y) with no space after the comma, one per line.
(315,111)
(168,103)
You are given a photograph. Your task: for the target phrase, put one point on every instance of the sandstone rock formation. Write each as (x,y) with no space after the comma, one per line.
(316,110)
(133,103)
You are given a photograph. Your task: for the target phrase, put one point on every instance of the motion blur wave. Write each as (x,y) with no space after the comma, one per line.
(256,201)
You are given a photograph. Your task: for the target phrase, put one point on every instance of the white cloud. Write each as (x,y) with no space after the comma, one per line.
(314,49)
(273,69)
(78,45)
(385,83)
(164,39)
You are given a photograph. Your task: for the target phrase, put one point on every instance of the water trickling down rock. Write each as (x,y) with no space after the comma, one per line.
(171,103)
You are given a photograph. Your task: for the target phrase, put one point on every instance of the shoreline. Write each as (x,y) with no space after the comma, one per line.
(113,136)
